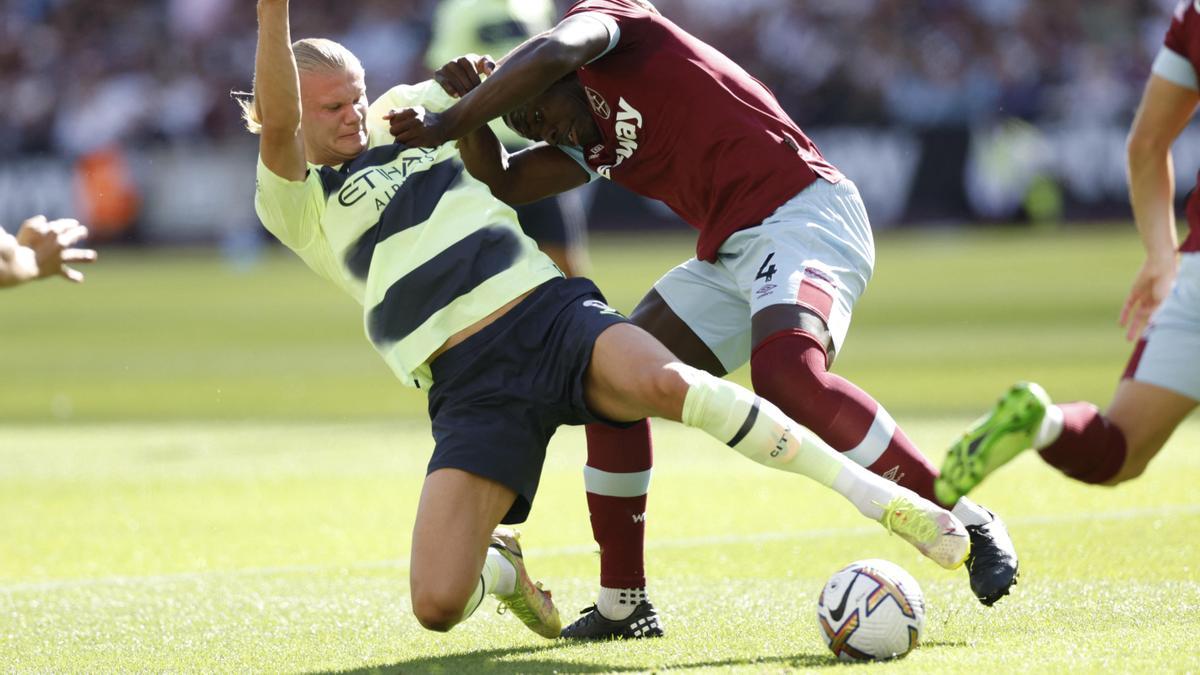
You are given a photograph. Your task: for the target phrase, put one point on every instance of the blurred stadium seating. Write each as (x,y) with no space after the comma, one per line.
(942,110)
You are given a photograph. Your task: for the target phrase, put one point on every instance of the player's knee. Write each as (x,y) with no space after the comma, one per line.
(1133,468)
(436,611)
(665,388)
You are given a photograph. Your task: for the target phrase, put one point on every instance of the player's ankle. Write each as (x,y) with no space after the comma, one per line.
(618,603)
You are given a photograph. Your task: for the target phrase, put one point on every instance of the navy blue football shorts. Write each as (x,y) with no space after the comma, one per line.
(498,396)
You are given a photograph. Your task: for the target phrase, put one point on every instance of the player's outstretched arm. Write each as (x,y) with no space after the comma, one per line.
(1165,110)
(532,174)
(41,249)
(527,71)
(277,93)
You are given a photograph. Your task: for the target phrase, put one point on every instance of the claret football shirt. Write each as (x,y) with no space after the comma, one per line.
(684,124)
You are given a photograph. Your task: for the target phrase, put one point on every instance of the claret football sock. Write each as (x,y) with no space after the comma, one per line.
(617,478)
(1090,448)
(789,369)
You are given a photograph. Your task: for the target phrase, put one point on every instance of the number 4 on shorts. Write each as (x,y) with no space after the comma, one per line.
(767,270)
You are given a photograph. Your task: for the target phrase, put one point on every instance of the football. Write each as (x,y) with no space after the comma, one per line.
(871,609)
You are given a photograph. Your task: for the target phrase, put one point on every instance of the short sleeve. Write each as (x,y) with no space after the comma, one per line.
(290,210)
(1175,68)
(610,24)
(577,155)
(428,94)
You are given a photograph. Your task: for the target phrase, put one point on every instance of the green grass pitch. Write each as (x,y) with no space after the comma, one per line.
(206,469)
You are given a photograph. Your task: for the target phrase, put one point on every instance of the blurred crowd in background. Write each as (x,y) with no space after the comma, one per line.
(81,74)
(119,112)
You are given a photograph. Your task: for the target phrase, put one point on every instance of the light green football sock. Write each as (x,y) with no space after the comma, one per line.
(759,430)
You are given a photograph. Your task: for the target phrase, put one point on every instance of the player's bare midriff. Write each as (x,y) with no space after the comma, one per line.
(479,325)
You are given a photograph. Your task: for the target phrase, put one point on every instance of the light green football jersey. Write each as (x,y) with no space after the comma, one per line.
(408,233)
(493,27)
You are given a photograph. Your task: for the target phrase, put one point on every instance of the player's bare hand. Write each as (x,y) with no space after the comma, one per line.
(462,74)
(53,243)
(417,127)
(1151,286)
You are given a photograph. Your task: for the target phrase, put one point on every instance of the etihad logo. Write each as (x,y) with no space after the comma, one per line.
(599,105)
(381,183)
(629,121)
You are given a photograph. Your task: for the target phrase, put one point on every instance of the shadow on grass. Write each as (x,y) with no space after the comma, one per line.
(491,661)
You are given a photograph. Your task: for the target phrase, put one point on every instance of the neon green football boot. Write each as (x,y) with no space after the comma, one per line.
(530,602)
(934,531)
(992,441)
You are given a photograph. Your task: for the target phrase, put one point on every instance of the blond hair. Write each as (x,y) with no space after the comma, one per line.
(312,55)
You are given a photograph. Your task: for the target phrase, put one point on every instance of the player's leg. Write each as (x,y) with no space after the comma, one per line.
(801,273)
(490,426)
(459,556)
(1075,438)
(1110,448)
(656,317)
(617,480)
(1146,415)
(632,376)
(1160,387)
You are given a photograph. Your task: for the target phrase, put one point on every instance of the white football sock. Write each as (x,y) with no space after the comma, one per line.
(504,575)
(756,428)
(619,603)
(1052,426)
(971,513)
(498,577)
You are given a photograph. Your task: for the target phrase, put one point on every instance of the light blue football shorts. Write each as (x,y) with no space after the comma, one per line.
(815,251)
(1170,355)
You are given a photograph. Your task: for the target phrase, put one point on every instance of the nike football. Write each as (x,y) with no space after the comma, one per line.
(871,609)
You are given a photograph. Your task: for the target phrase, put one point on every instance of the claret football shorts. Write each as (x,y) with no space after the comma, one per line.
(814,251)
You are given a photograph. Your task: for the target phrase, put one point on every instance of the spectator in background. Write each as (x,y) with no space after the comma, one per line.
(42,249)
(150,72)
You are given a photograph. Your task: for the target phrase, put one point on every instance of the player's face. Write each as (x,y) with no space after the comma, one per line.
(334,115)
(560,116)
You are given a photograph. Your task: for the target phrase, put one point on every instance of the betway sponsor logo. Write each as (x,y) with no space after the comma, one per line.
(639,517)
(629,121)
